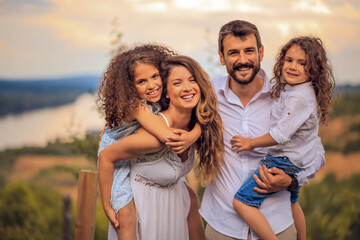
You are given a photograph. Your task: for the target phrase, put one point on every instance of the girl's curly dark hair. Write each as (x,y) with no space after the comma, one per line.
(318,68)
(117,94)
(210,145)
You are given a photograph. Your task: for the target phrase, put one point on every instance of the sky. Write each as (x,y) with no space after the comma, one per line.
(59,38)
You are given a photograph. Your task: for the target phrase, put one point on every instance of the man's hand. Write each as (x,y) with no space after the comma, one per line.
(272,180)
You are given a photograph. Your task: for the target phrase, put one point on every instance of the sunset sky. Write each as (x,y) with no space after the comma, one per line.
(57,38)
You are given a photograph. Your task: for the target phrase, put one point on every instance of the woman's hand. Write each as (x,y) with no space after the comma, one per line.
(110,213)
(242,143)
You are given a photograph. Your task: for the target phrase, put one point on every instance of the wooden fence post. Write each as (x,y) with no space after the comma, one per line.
(86,205)
(67,216)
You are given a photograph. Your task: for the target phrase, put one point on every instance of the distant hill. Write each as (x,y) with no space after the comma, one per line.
(20,95)
(347,89)
(17,96)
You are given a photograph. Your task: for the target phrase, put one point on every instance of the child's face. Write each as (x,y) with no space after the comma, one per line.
(148,82)
(294,69)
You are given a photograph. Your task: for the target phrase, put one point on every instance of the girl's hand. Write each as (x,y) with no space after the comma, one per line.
(242,143)
(180,141)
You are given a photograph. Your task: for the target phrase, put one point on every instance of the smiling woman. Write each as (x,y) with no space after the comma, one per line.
(157,172)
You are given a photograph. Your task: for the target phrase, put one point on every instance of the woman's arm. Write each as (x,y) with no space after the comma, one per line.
(138,144)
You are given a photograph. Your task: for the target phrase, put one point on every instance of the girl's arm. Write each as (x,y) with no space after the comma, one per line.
(182,139)
(242,143)
(138,144)
(178,140)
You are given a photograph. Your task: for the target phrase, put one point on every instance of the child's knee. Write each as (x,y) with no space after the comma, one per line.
(126,216)
(237,204)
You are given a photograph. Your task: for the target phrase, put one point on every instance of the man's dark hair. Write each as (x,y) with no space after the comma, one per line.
(238,28)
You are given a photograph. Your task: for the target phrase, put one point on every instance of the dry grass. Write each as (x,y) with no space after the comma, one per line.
(28,167)
(343,166)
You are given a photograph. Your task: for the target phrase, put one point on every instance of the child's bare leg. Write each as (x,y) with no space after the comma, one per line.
(299,220)
(195,224)
(126,217)
(255,219)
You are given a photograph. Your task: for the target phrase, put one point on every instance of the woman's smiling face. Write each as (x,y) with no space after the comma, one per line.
(182,88)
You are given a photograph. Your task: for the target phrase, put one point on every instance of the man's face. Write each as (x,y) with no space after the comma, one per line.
(242,58)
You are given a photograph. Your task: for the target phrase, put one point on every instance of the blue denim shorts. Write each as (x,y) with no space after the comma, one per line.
(249,196)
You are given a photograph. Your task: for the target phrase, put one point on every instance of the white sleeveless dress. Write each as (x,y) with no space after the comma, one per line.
(161,198)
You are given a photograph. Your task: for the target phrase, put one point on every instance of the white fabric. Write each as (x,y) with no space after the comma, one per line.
(252,121)
(294,124)
(161,198)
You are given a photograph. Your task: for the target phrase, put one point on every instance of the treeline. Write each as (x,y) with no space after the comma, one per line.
(24,95)
(346,104)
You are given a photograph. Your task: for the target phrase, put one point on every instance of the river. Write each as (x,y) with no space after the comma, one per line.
(38,127)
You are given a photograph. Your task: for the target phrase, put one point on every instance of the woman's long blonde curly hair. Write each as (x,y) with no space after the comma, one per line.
(117,94)
(318,68)
(210,145)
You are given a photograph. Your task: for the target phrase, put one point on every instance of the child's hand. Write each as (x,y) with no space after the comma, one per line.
(242,143)
(180,141)
(110,213)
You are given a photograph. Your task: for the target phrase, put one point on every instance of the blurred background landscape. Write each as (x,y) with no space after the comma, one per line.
(53,53)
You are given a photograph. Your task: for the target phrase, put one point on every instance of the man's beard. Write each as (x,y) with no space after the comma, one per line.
(255,69)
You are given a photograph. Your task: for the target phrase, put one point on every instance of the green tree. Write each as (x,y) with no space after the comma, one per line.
(30,213)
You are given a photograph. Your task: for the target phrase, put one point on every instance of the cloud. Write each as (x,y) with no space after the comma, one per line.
(316,6)
(57,29)
(347,11)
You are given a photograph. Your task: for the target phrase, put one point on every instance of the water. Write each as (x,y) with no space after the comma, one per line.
(37,128)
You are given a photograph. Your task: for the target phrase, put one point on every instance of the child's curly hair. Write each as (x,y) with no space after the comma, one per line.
(318,68)
(117,94)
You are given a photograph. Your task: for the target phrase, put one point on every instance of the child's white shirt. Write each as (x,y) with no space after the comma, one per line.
(294,125)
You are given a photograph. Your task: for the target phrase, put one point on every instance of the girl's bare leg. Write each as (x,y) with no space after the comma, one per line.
(299,220)
(195,224)
(127,222)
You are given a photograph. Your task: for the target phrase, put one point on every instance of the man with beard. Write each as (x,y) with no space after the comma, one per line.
(245,106)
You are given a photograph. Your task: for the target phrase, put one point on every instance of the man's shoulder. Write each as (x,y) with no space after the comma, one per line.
(219,82)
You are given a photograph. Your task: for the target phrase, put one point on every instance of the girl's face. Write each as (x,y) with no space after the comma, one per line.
(182,88)
(148,82)
(294,69)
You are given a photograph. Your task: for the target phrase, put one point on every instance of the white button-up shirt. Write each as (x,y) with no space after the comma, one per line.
(251,121)
(294,125)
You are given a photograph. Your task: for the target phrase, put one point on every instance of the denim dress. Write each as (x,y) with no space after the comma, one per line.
(121,193)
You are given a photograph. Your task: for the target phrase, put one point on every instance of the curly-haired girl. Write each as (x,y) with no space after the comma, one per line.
(129,95)
(304,85)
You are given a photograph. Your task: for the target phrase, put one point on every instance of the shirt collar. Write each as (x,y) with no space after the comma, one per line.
(289,87)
